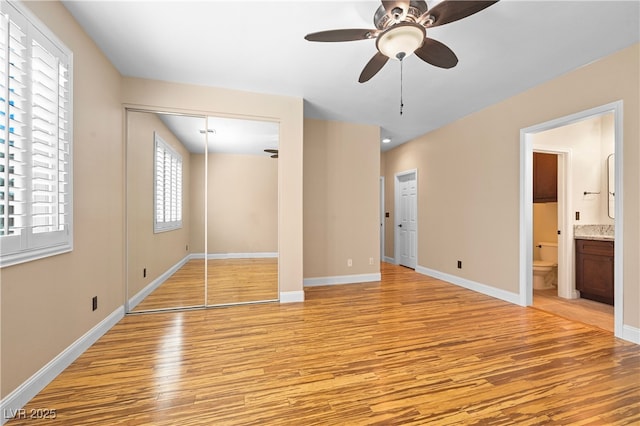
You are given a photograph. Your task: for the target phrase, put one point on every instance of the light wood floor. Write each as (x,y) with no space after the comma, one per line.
(242,280)
(229,281)
(407,350)
(583,310)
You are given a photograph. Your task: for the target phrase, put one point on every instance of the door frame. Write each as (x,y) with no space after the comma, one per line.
(382,227)
(526,205)
(396,229)
(566,280)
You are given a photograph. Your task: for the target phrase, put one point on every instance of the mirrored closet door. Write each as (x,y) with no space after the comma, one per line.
(242,211)
(202,211)
(165,205)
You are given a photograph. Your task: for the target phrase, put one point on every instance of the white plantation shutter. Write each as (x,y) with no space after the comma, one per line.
(168,187)
(178,193)
(13,143)
(35,139)
(159,182)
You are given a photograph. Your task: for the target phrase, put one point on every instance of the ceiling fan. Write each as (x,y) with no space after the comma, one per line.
(273,152)
(401,29)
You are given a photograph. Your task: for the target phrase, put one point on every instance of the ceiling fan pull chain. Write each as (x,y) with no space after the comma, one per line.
(401,56)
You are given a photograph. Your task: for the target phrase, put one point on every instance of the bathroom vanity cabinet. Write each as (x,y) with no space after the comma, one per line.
(545,178)
(594,270)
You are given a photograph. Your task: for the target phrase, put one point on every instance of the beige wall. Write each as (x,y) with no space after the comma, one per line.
(341,198)
(242,204)
(545,225)
(469,174)
(157,252)
(590,142)
(46,304)
(196,206)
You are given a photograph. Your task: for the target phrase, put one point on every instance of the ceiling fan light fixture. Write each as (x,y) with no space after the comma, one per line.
(402,38)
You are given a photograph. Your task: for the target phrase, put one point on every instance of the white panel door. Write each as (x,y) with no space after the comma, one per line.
(408,220)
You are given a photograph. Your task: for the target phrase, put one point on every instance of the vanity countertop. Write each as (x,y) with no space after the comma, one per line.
(593,232)
(594,237)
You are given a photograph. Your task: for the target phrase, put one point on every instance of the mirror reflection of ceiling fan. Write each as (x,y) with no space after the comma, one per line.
(401,29)
(273,152)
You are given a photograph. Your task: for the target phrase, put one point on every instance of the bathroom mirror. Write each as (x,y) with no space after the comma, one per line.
(242,211)
(165,220)
(611,186)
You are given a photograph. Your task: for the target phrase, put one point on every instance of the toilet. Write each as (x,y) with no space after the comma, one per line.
(545,270)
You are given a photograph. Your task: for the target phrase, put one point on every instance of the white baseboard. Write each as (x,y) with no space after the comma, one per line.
(19,397)
(631,334)
(258,255)
(389,260)
(291,296)
(342,279)
(507,296)
(142,294)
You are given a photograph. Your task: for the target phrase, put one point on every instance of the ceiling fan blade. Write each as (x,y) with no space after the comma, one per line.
(452,10)
(437,54)
(422,5)
(374,65)
(389,5)
(351,34)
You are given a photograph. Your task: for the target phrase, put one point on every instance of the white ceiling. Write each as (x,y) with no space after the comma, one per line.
(224,135)
(259,46)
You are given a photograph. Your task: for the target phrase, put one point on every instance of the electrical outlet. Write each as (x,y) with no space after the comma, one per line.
(349,262)
(94,303)
(459,264)
(371,261)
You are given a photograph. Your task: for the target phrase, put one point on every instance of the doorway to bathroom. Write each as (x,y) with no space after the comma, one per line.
(553,259)
(586,148)
(551,177)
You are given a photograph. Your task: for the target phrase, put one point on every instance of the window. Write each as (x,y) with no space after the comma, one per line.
(168,187)
(35,139)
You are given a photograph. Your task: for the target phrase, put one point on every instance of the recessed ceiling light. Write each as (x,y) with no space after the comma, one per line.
(386,140)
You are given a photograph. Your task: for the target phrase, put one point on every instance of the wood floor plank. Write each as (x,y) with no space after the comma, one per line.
(583,310)
(407,350)
(228,281)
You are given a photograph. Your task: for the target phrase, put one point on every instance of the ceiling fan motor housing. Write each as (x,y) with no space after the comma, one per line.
(383,20)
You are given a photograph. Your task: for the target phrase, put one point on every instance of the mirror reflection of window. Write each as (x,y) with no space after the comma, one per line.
(167,186)
(165,262)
